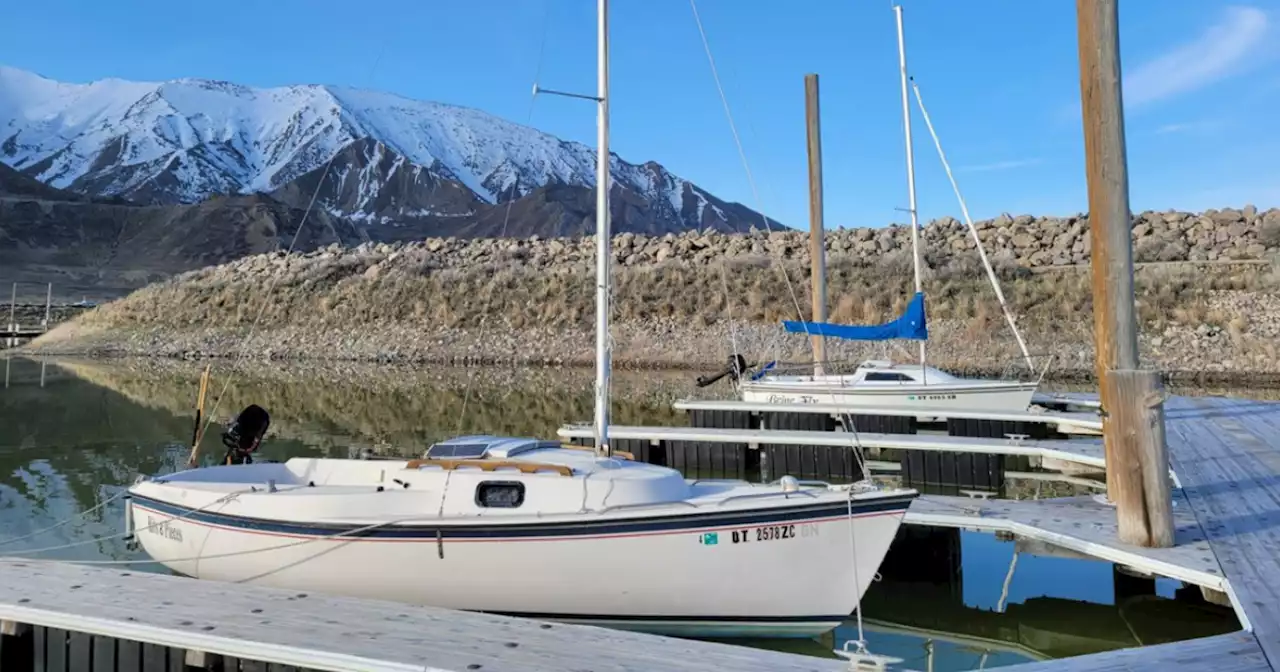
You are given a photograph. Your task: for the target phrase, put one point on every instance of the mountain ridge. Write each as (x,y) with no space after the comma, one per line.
(433,166)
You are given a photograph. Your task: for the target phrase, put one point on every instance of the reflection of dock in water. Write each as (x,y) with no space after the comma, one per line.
(921,594)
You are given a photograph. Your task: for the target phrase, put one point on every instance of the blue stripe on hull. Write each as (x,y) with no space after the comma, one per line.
(671,523)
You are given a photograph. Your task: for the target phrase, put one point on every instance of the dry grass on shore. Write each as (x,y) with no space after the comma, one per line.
(352,291)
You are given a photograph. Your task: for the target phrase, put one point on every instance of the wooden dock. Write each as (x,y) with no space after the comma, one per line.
(1080,524)
(1063,422)
(1226,453)
(1084,452)
(70,617)
(1225,456)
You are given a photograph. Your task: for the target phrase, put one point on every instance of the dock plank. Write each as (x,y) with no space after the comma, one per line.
(1088,452)
(1227,454)
(1081,524)
(1235,652)
(329,632)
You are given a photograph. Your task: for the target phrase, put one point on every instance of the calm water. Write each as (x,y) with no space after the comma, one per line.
(74,433)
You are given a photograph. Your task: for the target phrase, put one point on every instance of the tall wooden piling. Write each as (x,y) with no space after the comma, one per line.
(13,309)
(48,305)
(1132,399)
(817,256)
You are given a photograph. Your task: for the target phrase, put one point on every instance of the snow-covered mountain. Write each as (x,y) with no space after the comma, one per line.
(394,160)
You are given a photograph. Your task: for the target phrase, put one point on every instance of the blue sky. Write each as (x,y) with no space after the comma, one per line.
(1000,79)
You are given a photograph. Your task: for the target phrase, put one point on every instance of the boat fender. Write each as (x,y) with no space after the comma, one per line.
(440,543)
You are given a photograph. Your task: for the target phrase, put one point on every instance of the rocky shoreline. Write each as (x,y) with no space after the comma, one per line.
(688,301)
(1183,355)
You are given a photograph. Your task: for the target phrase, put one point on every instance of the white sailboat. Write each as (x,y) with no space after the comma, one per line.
(885,383)
(533,528)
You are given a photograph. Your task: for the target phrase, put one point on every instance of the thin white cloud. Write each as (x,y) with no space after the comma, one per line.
(1215,54)
(1188,126)
(998,165)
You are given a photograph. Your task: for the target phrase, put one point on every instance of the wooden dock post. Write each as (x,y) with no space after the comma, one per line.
(13,309)
(48,304)
(817,256)
(1132,400)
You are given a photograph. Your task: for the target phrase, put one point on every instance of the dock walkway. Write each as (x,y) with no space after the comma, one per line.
(1225,456)
(81,613)
(1081,524)
(1226,453)
(1084,452)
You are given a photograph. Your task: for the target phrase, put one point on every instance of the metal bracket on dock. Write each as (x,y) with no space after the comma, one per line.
(13,628)
(862,660)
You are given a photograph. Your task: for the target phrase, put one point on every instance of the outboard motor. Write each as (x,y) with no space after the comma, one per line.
(245,433)
(736,366)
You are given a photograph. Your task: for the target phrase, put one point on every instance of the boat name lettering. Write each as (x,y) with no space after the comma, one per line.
(766,533)
(163,529)
(788,399)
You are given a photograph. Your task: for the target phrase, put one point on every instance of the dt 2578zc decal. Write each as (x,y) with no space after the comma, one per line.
(765,533)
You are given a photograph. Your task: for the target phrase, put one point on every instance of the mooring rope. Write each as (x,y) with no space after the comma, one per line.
(127,533)
(213,556)
(857,582)
(66,520)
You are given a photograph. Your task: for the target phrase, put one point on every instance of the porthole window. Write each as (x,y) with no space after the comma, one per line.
(500,494)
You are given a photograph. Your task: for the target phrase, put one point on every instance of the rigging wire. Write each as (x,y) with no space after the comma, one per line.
(964,209)
(724,100)
(506,217)
(275,278)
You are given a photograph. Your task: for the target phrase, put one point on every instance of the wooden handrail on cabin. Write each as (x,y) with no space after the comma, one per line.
(490,465)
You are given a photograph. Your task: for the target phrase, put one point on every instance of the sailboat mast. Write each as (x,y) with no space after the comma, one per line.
(911,167)
(603,237)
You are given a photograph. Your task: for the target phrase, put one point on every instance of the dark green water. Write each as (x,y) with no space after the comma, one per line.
(74,433)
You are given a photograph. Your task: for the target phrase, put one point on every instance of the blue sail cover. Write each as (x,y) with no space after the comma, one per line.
(910,325)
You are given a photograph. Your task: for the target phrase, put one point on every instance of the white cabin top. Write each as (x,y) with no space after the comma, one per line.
(481,446)
(886,370)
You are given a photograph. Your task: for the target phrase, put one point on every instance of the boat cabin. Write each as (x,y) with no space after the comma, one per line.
(874,371)
(481,446)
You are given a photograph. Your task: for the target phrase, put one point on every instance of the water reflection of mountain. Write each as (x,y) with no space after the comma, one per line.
(68,446)
(398,409)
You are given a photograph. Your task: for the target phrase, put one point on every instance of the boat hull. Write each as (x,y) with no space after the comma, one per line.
(995,398)
(780,573)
